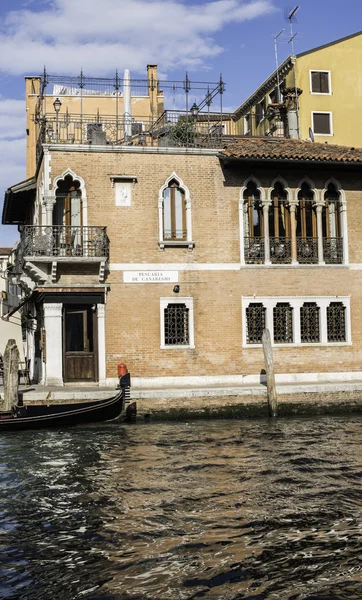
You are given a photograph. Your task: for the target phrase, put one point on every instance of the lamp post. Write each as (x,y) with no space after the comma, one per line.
(57,104)
(194,111)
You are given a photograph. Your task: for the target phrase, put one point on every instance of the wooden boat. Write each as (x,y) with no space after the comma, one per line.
(60,415)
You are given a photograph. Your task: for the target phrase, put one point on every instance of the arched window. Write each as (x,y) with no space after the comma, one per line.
(331,225)
(307,236)
(279,225)
(174,212)
(67,217)
(253,225)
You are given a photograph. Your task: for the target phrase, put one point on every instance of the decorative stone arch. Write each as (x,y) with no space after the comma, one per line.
(343,201)
(188,205)
(257,185)
(69,172)
(338,188)
(280,179)
(312,186)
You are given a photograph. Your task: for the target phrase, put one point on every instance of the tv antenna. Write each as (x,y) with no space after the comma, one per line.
(277,62)
(291,18)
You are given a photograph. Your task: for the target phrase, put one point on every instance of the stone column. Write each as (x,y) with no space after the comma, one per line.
(53,344)
(266,204)
(49,202)
(101,323)
(319,207)
(293,230)
(344,230)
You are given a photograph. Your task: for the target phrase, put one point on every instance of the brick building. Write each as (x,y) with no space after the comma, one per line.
(173,258)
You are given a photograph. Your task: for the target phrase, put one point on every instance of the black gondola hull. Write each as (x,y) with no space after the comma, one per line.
(60,415)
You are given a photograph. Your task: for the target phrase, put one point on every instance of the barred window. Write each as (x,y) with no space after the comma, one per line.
(336,322)
(283,323)
(176,324)
(309,323)
(255,322)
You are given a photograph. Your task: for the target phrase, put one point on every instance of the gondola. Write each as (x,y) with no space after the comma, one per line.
(35,416)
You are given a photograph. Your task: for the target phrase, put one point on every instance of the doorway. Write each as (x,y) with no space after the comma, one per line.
(79,343)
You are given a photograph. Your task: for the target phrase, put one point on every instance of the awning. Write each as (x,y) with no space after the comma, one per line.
(17,202)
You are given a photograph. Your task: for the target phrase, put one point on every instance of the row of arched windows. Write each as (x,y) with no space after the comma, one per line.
(282,231)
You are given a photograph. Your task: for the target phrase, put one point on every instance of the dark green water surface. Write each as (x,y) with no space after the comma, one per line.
(256,510)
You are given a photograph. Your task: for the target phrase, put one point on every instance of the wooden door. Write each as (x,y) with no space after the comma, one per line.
(79,344)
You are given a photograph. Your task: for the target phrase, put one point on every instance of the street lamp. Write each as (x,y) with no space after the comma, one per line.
(57,104)
(194,110)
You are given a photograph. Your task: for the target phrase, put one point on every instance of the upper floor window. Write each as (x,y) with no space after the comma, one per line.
(320,82)
(322,123)
(279,225)
(332,226)
(175,215)
(253,224)
(174,212)
(307,237)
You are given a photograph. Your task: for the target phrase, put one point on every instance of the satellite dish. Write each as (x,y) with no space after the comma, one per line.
(311,134)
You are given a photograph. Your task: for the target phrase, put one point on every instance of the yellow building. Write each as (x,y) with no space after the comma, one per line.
(329,91)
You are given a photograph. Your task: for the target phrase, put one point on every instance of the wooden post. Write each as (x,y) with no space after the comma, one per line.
(11,377)
(270,376)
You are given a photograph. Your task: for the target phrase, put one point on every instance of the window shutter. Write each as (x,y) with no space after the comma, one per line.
(324,83)
(321,123)
(315,82)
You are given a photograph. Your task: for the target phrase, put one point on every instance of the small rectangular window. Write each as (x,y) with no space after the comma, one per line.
(176,325)
(336,322)
(322,123)
(283,323)
(309,323)
(320,82)
(255,323)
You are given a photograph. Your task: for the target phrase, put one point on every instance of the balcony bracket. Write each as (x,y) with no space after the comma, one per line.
(54,271)
(35,272)
(102,267)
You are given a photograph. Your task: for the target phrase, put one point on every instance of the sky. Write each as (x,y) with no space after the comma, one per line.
(206,38)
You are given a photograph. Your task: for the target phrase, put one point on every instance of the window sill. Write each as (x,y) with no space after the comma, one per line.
(306,345)
(177,347)
(176,244)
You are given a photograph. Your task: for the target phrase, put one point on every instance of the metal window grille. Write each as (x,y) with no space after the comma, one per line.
(255,323)
(336,322)
(176,325)
(309,323)
(283,323)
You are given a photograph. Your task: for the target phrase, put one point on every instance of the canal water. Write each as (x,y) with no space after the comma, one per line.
(224,510)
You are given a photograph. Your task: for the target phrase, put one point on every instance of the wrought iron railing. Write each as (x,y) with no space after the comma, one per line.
(64,241)
(333,250)
(171,129)
(254,250)
(307,250)
(280,250)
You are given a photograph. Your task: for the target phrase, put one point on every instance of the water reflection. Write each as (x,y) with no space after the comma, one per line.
(254,510)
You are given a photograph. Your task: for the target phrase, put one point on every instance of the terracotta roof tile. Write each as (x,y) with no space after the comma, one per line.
(290,149)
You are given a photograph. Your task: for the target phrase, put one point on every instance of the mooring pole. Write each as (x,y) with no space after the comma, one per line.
(270,376)
(11,379)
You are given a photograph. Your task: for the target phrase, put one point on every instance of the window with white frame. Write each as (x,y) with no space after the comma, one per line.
(322,123)
(174,206)
(320,82)
(177,323)
(297,321)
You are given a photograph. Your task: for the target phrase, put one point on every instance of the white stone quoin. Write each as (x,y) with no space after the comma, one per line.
(54,353)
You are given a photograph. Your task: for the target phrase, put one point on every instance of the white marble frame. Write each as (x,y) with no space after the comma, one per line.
(189,302)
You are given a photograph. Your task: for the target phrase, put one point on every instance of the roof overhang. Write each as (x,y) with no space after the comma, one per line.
(17,202)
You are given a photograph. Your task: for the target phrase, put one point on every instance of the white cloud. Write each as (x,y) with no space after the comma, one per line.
(12,118)
(67,35)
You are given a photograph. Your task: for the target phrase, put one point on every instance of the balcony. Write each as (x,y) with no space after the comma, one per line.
(65,244)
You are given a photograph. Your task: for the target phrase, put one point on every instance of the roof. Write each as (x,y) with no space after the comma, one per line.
(267,85)
(17,201)
(5,251)
(347,37)
(283,69)
(290,149)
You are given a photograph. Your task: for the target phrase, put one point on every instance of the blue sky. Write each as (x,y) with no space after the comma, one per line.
(232,37)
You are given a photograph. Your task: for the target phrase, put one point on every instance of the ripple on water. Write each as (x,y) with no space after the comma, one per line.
(251,510)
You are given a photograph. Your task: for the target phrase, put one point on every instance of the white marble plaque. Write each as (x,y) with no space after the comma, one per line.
(150,276)
(123,193)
